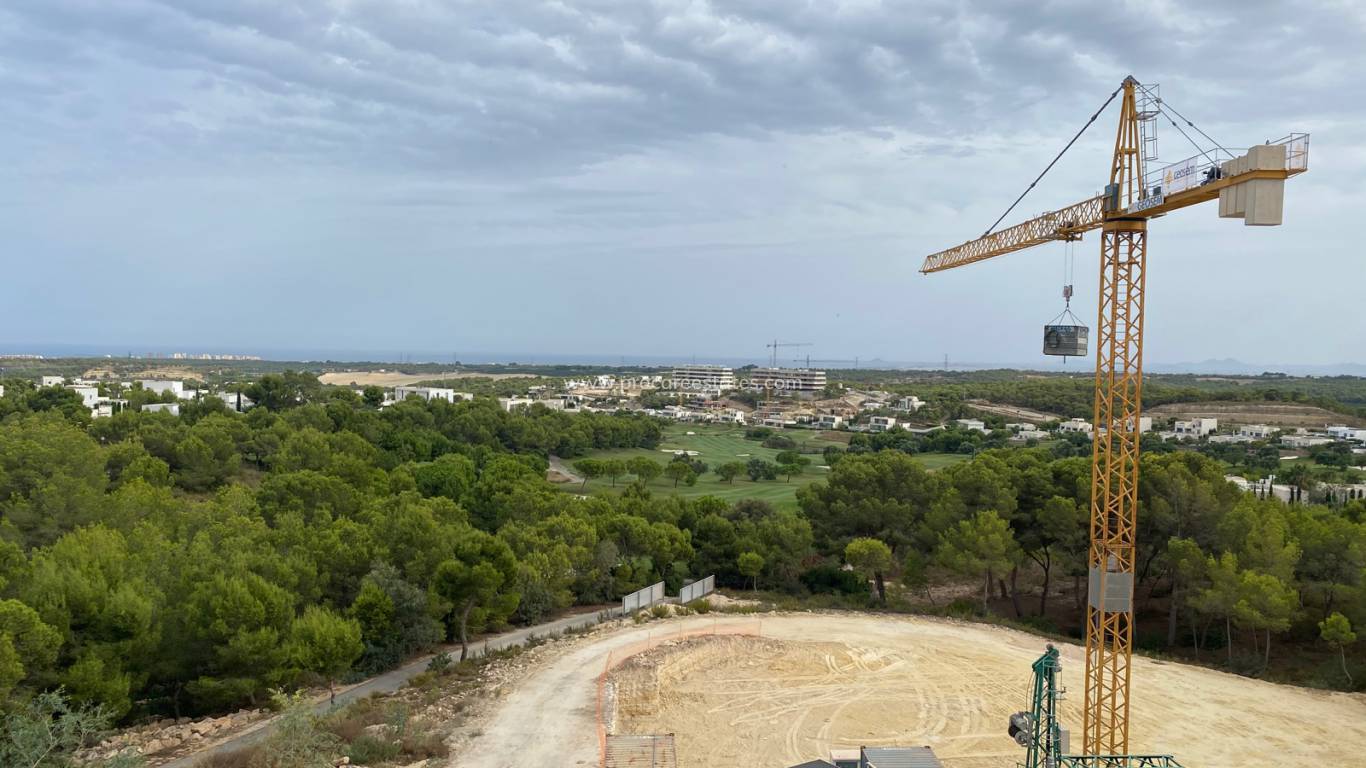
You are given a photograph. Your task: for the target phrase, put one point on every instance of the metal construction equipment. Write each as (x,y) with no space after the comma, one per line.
(1045,741)
(776,345)
(1249,186)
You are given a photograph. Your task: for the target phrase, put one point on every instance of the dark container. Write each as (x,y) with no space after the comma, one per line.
(1065,340)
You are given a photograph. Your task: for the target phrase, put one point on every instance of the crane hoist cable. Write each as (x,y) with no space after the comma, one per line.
(1054,161)
(1068,266)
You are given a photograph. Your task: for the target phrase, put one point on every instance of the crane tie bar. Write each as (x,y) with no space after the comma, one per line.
(1055,160)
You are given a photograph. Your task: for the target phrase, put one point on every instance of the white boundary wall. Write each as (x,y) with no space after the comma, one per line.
(642,598)
(697,589)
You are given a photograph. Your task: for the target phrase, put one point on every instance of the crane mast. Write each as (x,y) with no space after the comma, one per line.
(1114,451)
(1249,187)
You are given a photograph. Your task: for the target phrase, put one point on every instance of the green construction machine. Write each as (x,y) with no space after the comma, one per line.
(1045,741)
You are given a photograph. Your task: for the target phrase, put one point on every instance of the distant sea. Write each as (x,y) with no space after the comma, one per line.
(399,357)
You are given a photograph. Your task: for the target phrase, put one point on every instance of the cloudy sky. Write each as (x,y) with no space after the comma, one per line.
(664,177)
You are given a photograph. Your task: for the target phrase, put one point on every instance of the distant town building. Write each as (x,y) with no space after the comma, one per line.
(1076,425)
(431,393)
(106,408)
(171,408)
(976,425)
(703,378)
(1195,427)
(829,421)
(787,379)
(90,396)
(1340,432)
(1347,492)
(1256,431)
(236,401)
(1303,439)
(908,404)
(162,386)
(563,402)
(881,423)
(51,381)
(513,403)
(1145,424)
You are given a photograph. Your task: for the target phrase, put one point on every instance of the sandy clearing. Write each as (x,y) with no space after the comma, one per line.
(812,683)
(398,379)
(1253,413)
(1014,412)
(816,681)
(166,373)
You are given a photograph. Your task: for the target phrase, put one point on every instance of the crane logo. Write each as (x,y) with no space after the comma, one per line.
(1179,176)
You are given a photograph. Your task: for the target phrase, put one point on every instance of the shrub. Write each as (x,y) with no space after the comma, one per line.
(246,757)
(700,605)
(659,611)
(422,679)
(1048,626)
(371,750)
(780,443)
(830,579)
(298,741)
(439,663)
(420,741)
(963,608)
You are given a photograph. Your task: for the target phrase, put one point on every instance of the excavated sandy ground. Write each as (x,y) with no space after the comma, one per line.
(816,682)
(397,379)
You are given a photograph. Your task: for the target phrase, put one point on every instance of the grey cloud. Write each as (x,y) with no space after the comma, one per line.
(487,88)
(456,136)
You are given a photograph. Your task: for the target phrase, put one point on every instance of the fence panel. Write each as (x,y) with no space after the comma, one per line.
(642,598)
(697,589)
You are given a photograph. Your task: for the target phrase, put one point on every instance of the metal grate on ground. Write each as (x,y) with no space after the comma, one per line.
(654,751)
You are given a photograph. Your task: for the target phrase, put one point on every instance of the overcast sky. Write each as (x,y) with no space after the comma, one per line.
(636,177)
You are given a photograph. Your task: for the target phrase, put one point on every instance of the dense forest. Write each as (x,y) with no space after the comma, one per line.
(153,563)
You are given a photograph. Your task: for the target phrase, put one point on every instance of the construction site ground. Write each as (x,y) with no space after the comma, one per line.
(809,682)
(400,379)
(1272,414)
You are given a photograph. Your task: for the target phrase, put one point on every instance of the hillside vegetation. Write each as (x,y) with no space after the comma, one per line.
(160,564)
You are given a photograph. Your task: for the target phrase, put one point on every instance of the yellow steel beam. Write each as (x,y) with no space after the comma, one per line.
(1063,224)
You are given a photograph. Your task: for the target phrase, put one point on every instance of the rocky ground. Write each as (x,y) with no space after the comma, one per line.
(173,736)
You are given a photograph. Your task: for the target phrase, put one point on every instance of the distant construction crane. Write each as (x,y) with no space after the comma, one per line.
(775,344)
(1249,186)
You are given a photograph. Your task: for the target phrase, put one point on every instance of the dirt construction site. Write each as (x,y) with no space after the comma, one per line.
(782,689)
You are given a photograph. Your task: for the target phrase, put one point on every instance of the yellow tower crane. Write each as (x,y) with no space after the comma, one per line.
(1249,186)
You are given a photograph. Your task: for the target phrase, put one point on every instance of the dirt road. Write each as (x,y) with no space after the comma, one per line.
(551,718)
(389,682)
(813,682)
